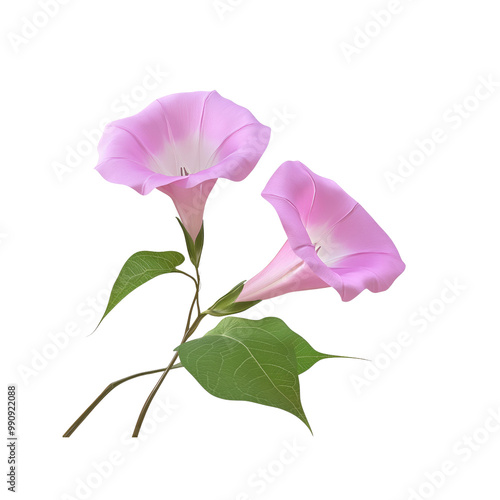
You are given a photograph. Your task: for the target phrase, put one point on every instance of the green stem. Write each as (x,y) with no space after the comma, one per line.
(198,290)
(178,271)
(111,386)
(104,393)
(187,334)
(188,323)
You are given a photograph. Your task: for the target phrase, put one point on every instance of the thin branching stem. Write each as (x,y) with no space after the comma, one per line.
(115,384)
(104,393)
(151,396)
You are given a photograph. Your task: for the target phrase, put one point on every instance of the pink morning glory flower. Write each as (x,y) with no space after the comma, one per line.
(332,240)
(181,144)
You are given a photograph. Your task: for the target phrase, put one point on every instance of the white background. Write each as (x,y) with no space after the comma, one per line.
(64,236)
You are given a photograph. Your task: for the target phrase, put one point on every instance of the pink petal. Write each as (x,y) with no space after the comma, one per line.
(286,273)
(190,203)
(330,233)
(198,133)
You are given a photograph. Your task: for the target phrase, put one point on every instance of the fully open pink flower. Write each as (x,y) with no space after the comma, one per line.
(181,144)
(332,241)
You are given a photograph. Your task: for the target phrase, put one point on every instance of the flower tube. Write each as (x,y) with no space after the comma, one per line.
(181,144)
(332,241)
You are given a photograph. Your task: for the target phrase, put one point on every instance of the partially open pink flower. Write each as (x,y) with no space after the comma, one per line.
(332,241)
(181,144)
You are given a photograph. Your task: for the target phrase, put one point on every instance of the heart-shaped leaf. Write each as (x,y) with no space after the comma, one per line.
(306,355)
(139,269)
(247,360)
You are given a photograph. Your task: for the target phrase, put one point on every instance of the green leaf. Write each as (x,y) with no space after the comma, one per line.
(194,248)
(306,355)
(139,269)
(247,360)
(198,244)
(226,305)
